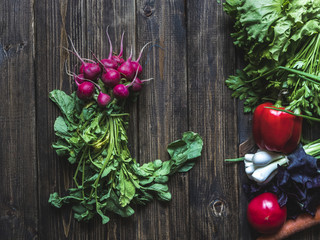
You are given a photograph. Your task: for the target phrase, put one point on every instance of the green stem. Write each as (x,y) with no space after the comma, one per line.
(235,159)
(295,114)
(116,132)
(119,114)
(263,75)
(104,136)
(295,89)
(309,80)
(308,75)
(312,149)
(278,102)
(97,154)
(78,167)
(90,158)
(110,152)
(83,165)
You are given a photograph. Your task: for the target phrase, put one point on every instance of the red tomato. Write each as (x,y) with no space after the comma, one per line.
(264,213)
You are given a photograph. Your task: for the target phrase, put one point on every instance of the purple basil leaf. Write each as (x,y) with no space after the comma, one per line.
(302,167)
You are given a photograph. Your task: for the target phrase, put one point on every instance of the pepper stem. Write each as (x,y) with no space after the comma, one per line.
(280,97)
(278,104)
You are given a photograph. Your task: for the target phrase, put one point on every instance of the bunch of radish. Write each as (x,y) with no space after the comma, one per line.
(120,77)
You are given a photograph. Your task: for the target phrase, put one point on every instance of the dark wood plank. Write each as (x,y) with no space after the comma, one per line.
(86,24)
(18,172)
(244,133)
(214,202)
(162,110)
(190,58)
(55,174)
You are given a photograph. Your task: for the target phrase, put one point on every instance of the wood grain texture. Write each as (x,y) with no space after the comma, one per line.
(18,172)
(85,22)
(214,200)
(162,110)
(55,174)
(190,56)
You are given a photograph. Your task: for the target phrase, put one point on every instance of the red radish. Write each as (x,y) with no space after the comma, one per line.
(79,78)
(137,85)
(121,91)
(111,77)
(118,59)
(85,90)
(85,86)
(90,71)
(81,69)
(82,66)
(103,99)
(136,65)
(109,62)
(265,214)
(127,68)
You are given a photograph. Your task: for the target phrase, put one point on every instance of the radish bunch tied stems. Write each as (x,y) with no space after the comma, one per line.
(92,135)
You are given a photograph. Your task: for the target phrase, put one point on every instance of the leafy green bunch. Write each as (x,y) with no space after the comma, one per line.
(276,33)
(107,179)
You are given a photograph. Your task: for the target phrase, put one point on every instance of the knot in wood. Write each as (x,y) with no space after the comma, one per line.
(21,45)
(7,47)
(147,10)
(218,207)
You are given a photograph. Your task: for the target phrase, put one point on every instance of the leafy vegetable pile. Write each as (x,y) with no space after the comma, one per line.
(276,33)
(93,138)
(281,43)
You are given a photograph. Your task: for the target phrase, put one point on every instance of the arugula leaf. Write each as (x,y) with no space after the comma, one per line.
(187,167)
(65,102)
(107,179)
(61,147)
(61,128)
(185,149)
(127,189)
(105,219)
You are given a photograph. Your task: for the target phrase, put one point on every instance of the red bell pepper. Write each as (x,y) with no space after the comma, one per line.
(275,130)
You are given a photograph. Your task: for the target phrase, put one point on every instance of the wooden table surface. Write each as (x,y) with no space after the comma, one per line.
(191,56)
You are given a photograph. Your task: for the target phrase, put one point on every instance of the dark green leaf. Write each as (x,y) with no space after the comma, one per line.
(64,102)
(61,128)
(161,179)
(187,167)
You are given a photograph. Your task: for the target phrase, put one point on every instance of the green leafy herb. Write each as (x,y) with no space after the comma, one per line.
(275,33)
(107,179)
